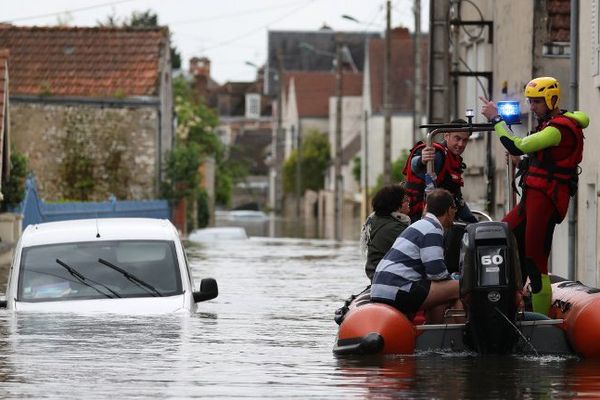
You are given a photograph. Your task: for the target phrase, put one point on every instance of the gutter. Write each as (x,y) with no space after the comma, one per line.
(573,94)
(139,101)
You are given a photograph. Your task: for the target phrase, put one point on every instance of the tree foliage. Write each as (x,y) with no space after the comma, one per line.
(397,175)
(14,188)
(315,157)
(197,140)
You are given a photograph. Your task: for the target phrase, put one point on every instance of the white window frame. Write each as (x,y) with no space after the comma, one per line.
(252,105)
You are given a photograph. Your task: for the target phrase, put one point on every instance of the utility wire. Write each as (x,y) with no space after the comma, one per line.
(233,15)
(246,34)
(74,10)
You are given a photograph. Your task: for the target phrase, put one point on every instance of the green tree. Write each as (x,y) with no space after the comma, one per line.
(181,171)
(13,189)
(315,150)
(397,175)
(196,140)
(356,167)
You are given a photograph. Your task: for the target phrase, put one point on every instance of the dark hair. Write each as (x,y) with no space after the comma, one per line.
(458,121)
(388,199)
(439,201)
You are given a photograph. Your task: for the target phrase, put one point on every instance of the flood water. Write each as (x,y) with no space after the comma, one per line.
(269,334)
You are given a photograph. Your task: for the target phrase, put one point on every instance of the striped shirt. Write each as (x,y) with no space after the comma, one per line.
(417,254)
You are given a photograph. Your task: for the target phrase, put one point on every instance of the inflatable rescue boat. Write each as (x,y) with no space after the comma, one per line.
(490,280)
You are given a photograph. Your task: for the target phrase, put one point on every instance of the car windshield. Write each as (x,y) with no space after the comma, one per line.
(99,270)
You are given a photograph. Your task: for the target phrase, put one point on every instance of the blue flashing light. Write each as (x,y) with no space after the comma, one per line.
(510,111)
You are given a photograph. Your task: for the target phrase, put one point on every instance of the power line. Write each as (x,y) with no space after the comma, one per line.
(233,15)
(74,10)
(244,35)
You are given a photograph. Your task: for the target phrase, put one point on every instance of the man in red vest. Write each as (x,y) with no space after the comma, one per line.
(549,178)
(448,166)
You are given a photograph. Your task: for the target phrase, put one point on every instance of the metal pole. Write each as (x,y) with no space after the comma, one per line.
(417,86)
(439,67)
(366,169)
(296,134)
(490,164)
(338,141)
(573,93)
(279,137)
(387,126)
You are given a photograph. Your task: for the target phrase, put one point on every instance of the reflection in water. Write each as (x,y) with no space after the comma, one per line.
(465,376)
(269,334)
(273,226)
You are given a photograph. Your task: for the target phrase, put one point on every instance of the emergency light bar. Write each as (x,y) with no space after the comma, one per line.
(510,111)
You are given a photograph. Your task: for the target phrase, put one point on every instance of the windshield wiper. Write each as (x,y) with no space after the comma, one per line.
(82,279)
(148,287)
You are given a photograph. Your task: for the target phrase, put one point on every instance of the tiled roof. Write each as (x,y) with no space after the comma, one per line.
(88,62)
(402,73)
(313,90)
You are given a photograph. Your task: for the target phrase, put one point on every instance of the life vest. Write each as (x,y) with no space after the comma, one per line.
(555,170)
(449,178)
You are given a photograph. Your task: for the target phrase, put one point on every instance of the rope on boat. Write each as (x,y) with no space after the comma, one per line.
(518,331)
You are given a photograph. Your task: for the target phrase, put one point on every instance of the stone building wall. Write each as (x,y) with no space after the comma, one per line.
(87,152)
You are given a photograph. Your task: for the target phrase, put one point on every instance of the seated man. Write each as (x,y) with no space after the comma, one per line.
(412,276)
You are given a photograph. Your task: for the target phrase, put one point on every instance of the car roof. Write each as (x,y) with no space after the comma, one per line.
(101,229)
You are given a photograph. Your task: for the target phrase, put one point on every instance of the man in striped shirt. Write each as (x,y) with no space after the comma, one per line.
(412,276)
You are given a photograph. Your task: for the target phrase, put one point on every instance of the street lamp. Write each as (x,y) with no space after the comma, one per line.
(370,24)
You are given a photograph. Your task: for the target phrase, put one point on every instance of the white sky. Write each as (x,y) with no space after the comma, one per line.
(228,32)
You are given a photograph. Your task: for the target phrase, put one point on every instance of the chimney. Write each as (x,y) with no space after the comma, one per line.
(200,70)
(200,67)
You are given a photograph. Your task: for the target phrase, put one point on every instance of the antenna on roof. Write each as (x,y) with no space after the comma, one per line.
(97,230)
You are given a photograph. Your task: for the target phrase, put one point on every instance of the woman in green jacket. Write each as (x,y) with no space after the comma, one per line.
(380,230)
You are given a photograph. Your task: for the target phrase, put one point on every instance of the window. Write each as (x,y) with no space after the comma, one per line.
(558,25)
(98,270)
(252,105)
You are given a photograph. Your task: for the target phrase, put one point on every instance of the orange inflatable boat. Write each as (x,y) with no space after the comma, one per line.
(493,324)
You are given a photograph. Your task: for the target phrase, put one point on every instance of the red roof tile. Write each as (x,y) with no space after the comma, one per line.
(313,90)
(89,62)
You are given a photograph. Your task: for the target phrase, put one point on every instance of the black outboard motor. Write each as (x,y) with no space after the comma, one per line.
(490,280)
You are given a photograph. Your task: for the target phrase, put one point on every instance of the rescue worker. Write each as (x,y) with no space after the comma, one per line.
(448,166)
(549,178)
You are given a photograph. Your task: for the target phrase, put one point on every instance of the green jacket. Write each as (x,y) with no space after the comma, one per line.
(379,234)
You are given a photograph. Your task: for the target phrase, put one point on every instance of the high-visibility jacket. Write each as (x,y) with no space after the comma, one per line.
(554,170)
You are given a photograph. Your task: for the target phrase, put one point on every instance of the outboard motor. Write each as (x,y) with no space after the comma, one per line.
(489,283)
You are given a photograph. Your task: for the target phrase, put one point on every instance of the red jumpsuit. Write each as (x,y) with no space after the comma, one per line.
(548,182)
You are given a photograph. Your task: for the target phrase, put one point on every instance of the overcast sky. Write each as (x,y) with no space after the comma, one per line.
(228,32)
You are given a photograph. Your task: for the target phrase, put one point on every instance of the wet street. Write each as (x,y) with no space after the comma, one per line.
(269,334)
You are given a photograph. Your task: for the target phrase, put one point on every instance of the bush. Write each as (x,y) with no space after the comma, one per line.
(14,189)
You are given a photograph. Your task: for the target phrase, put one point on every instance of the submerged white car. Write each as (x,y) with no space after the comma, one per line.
(117,265)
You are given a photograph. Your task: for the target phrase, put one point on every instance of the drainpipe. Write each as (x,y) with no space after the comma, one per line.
(573,93)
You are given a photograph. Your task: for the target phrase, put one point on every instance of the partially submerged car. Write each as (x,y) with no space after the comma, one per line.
(118,265)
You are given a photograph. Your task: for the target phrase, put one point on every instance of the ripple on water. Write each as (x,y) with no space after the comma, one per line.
(269,334)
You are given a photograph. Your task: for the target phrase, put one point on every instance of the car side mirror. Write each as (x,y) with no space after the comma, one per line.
(208,290)
(3,302)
